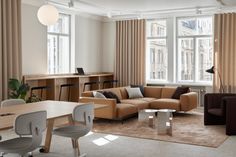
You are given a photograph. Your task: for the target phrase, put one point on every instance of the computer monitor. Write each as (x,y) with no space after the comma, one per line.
(80,71)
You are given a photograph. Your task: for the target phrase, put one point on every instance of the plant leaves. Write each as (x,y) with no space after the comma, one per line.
(13,84)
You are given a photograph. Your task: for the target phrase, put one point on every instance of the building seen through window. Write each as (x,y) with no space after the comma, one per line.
(191,49)
(59,49)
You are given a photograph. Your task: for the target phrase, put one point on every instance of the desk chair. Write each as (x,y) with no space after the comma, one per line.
(110,82)
(65,86)
(90,84)
(41,88)
(11,102)
(83,114)
(29,124)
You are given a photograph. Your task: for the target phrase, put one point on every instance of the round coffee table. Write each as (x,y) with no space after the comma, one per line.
(164,121)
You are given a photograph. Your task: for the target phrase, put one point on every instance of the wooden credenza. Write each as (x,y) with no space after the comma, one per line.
(53,82)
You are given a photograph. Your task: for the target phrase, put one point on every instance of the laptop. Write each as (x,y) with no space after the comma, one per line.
(80,71)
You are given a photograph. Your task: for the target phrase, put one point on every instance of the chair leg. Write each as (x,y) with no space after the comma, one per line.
(1,154)
(30,154)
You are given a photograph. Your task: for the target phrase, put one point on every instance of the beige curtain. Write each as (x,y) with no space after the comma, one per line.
(225,51)
(10,43)
(130,52)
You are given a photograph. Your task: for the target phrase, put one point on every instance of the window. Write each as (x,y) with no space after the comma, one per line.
(59,49)
(195,49)
(179,50)
(157,50)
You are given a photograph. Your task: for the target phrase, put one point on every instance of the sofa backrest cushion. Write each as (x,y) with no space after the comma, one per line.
(124,93)
(167,92)
(152,92)
(116,91)
(87,94)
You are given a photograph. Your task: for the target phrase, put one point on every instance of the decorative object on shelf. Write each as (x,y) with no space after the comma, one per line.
(33,98)
(212,70)
(18,90)
(48,14)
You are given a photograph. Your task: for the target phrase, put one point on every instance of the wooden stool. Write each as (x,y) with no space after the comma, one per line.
(41,88)
(111,82)
(65,86)
(90,84)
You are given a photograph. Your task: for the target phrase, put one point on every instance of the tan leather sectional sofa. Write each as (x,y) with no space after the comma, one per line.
(154,98)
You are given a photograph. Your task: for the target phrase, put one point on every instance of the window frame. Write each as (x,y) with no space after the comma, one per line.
(178,55)
(58,35)
(148,55)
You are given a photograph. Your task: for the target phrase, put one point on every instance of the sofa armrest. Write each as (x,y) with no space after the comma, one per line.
(188,101)
(108,112)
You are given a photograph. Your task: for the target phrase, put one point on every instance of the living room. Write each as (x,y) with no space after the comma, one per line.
(158,77)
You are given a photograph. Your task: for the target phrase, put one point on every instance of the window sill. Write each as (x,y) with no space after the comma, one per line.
(179,83)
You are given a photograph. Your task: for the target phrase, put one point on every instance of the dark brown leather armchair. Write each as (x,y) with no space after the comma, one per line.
(230,103)
(220,109)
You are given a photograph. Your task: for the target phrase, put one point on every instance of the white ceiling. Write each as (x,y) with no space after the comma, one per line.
(137,8)
(146,5)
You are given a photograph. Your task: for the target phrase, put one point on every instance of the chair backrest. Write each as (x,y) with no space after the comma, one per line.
(11,102)
(85,114)
(25,122)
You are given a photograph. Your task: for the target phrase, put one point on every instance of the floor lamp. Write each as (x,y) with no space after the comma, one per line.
(212,71)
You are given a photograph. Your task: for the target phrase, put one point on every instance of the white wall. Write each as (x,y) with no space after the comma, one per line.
(34,42)
(108,46)
(88,44)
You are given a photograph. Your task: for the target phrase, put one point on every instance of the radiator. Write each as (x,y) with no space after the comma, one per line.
(200,92)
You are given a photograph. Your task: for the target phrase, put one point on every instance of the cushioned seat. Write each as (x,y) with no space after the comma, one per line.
(74,130)
(147,99)
(216,111)
(124,110)
(166,104)
(17,143)
(140,104)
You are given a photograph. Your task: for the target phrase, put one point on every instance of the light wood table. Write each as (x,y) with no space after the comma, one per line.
(55,110)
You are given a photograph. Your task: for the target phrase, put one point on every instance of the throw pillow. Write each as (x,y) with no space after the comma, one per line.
(109,94)
(98,95)
(179,91)
(141,87)
(134,92)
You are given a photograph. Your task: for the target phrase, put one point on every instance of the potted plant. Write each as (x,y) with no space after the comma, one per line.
(18,89)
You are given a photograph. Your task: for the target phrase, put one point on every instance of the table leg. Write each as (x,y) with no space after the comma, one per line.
(48,138)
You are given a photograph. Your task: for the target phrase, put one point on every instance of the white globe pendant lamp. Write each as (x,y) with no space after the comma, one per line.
(48,15)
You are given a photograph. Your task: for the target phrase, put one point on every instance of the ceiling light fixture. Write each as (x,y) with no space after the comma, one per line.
(109,15)
(48,14)
(198,11)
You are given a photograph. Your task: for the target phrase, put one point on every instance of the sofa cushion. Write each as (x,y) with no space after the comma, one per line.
(166,103)
(98,94)
(147,99)
(109,94)
(124,93)
(152,92)
(140,104)
(134,92)
(179,91)
(124,110)
(116,91)
(139,86)
(167,92)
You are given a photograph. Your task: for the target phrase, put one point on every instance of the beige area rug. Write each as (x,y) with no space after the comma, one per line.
(188,128)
